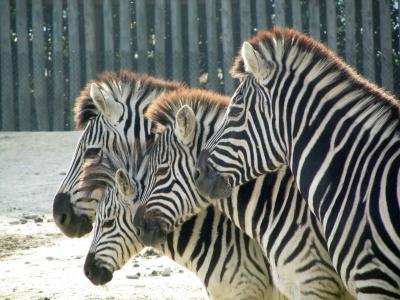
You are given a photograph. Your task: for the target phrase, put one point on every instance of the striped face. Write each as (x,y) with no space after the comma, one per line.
(170,197)
(115,110)
(115,240)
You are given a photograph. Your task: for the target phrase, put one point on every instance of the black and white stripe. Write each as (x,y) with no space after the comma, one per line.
(299,105)
(269,209)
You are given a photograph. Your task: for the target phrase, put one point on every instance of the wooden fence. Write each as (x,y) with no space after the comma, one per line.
(49,49)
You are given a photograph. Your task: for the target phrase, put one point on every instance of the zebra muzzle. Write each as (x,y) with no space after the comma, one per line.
(96,274)
(151,229)
(209,182)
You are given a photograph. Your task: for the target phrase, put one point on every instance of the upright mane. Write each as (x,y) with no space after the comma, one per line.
(163,110)
(84,107)
(278,44)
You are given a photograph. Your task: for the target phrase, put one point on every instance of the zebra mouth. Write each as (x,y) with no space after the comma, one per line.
(98,275)
(209,182)
(151,230)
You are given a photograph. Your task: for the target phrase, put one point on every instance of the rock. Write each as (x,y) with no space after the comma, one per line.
(14,222)
(23,221)
(154,273)
(29,216)
(62,173)
(180,271)
(50,258)
(136,265)
(150,252)
(166,272)
(38,220)
(134,276)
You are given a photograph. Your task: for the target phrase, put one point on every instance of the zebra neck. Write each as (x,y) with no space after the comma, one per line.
(337,136)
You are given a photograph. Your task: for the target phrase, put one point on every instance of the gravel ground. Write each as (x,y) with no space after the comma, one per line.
(36,260)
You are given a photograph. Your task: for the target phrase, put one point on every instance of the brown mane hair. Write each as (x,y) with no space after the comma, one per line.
(84,107)
(163,110)
(305,44)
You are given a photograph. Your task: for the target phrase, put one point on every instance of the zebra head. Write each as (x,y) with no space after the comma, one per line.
(111,111)
(248,142)
(115,240)
(183,120)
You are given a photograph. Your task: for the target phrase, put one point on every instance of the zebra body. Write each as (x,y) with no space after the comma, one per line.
(269,209)
(229,263)
(300,106)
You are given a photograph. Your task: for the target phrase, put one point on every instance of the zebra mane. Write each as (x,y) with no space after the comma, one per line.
(163,110)
(99,169)
(279,43)
(84,107)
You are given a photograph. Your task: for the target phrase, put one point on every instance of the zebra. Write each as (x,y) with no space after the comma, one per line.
(111,110)
(269,209)
(230,264)
(299,105)
(116,117)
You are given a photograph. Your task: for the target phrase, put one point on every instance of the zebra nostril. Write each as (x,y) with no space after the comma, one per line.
(196,174)
(63,218)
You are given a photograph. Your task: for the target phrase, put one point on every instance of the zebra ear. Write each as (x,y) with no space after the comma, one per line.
(252,60)
(185,124)
(123,183)
(105,103)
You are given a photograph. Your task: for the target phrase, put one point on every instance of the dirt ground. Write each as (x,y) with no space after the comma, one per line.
(36,260)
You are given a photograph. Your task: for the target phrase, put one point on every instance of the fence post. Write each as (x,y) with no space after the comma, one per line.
(245,20)
(193,36)
(350,17)
(331,24)
(90,38)
(125,35)
(7,89)
(176,33)
(39,56)
(280,11)
(24,84)
(212,45)
(58,67)
(261,12)
(74,55)
(141,32)
(386,45)
(296,15)
(108,35)
(313,9)
(368,40)
(159,30)
(227,44)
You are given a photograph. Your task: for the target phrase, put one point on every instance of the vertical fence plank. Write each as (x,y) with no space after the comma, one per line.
(39,56)
(350,17)
(24,86)
(386,44)
(58,66)
(193,36)
(74,55)
(245,20)
(141,32)
(331,25)
(296,15)
(7,90)
(261,12)
(212,45)
(368,40)
(315,29)
(125,35)
(108,35)
(227,44)
(90,38)
(176,30)
(280,11)
(159,28)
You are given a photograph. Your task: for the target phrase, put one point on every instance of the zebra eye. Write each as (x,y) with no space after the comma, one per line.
(235,111)
(90,152)
(162,171)
(108,224)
